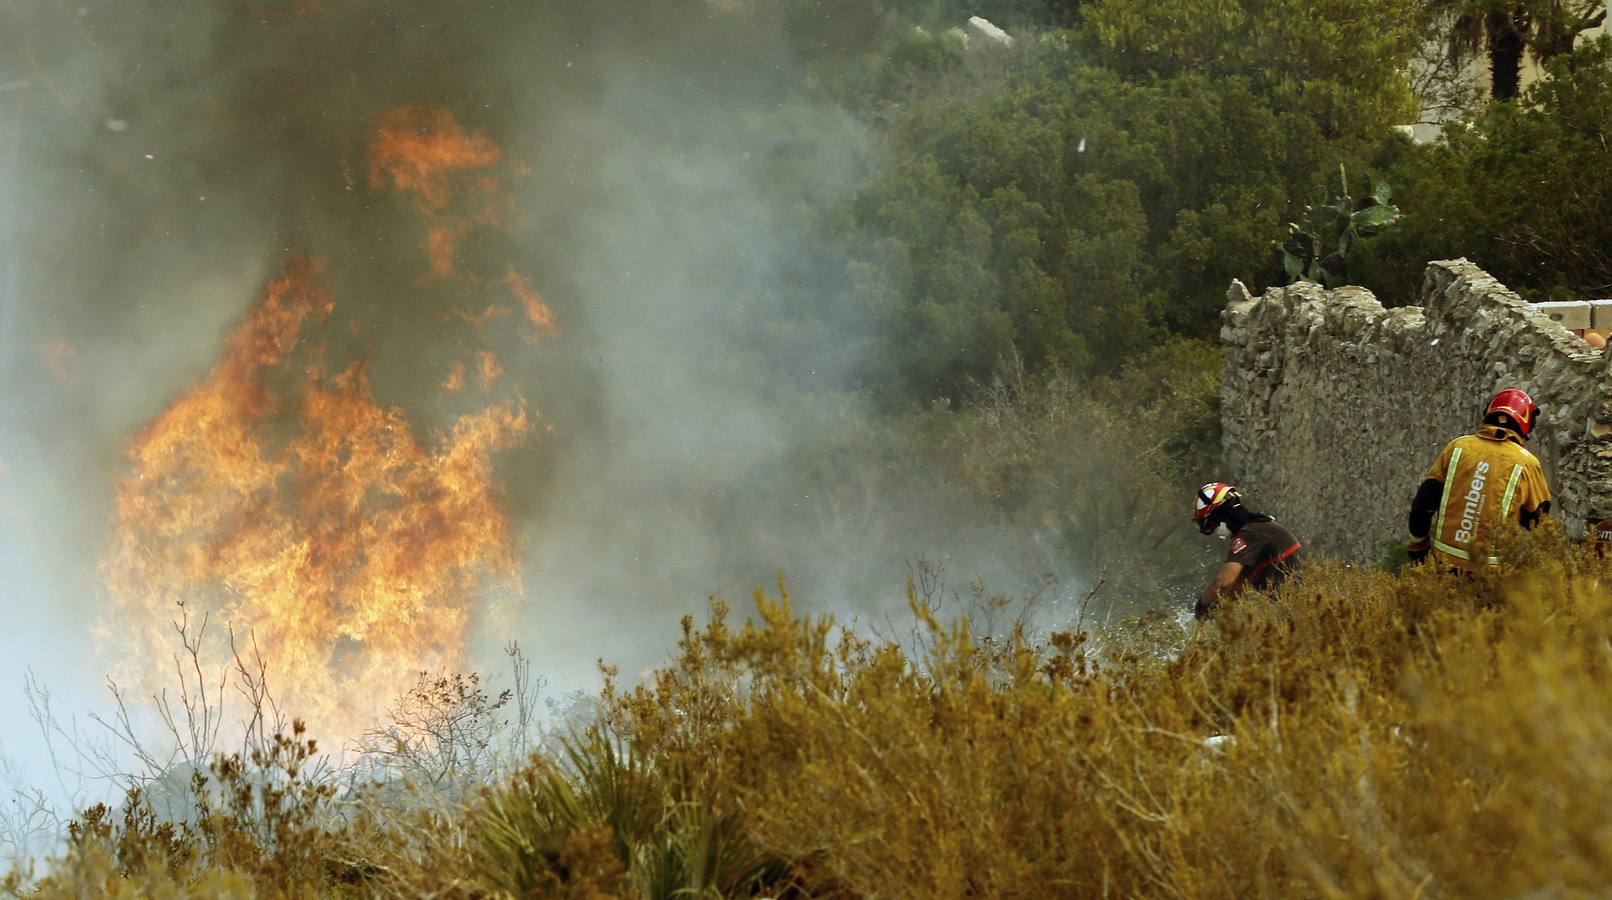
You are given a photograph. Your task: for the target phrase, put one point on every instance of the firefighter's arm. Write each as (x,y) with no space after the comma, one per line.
(1422,511)
(1539,494)
(1531,517)
(1227,581)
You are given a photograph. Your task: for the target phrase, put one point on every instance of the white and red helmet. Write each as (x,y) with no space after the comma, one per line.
(1516,408)
(1212,501)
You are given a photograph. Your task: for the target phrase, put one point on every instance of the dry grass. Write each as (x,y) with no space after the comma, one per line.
(1412,735)
(1100,470)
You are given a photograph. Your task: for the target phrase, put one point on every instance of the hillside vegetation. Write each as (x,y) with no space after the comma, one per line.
(1095,187)
(1370,735)
(1026,282)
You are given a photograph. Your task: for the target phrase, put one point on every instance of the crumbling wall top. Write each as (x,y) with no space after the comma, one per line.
(1333,405)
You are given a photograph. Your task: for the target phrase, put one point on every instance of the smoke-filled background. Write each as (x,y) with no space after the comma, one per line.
(553,273)
(375,334)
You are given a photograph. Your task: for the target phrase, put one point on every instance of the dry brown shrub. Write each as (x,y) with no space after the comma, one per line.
(1383,736)
(1367,734)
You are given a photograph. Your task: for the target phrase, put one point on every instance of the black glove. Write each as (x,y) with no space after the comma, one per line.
(1417,555)
(1201,610)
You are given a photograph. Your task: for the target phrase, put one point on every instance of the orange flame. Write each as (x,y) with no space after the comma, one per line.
(456,377)
(488,368)
(478,319)
(537,312)
(422,151)
(288,501)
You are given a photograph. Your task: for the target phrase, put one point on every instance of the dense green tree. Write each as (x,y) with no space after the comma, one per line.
(1341,62)
(1503,30)
(1523,190)
(1071,199)
(1070,213)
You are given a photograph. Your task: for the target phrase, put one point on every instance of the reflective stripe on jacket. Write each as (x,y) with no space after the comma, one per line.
(1488,477)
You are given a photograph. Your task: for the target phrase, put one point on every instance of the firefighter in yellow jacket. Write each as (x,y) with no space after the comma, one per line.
(1480,479)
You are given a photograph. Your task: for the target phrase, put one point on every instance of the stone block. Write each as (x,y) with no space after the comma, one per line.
(987,30)
(1570,314)
(1601,313)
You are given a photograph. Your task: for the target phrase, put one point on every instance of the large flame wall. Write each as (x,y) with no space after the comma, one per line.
(281,499)
(389,331)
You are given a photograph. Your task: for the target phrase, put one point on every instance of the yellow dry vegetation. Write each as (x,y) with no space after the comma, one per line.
(1370,735)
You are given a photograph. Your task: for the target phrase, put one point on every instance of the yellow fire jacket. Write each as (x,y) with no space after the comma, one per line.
(1486,477)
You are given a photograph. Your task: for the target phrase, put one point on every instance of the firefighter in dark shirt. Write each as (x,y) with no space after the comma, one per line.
(1260,554)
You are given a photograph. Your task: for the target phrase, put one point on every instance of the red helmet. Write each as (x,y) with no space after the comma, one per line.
(1516,405)
(1212,501)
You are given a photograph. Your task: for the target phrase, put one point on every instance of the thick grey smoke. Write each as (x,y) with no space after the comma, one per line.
(158,161)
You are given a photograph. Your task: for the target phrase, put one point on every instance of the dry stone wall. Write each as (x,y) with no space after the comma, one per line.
(1334,407)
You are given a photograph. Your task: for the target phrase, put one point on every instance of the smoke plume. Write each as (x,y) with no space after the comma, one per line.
(585,225)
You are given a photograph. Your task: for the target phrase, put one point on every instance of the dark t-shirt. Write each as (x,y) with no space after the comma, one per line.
(1268,552)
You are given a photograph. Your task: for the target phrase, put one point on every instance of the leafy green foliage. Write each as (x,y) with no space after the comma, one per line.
(1339,63)
(1319,250)
(1502,30)
(1068,219)
(1070,200)
(1520,190)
